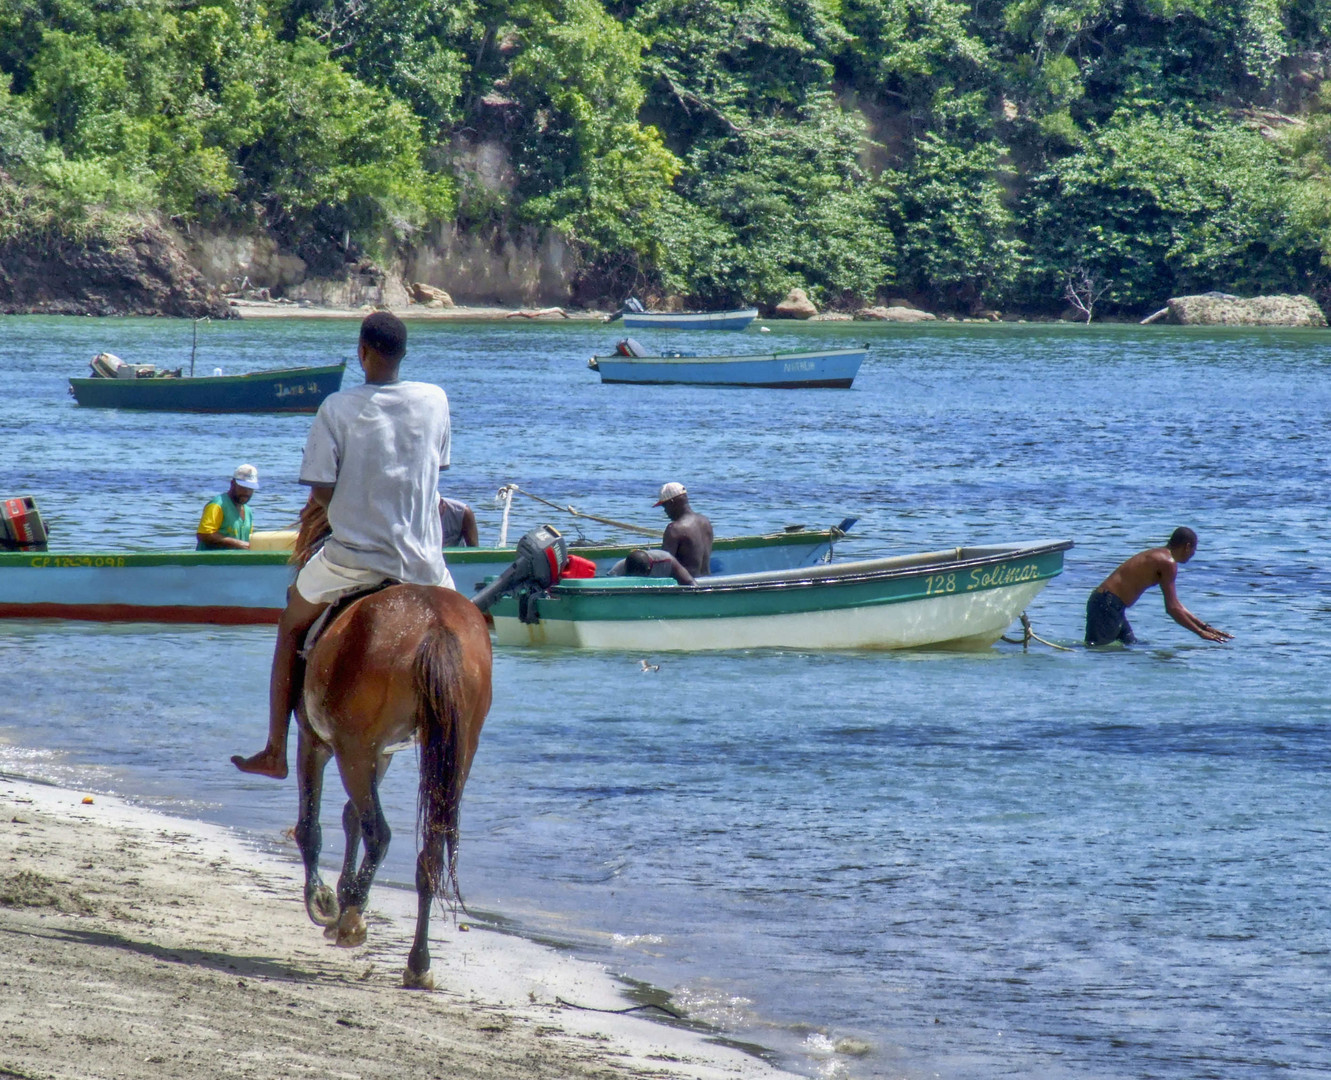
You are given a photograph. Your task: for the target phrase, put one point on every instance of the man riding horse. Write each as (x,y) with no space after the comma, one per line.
(372,460)
(410,663)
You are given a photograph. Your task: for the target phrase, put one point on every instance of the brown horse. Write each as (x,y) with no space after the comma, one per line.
(411,662)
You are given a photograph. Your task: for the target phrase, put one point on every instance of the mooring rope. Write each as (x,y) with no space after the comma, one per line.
(1029,635)
(619,1012)
(626,526)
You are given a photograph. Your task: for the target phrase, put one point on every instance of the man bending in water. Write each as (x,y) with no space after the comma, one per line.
(1105,621)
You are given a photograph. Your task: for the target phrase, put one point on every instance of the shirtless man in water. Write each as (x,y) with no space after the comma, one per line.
(688,537)
(1105,621)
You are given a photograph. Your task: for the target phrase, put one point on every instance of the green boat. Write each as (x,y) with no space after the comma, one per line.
(959,598)
(241,587)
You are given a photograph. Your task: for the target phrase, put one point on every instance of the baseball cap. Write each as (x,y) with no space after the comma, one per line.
(670,491)
(247,476)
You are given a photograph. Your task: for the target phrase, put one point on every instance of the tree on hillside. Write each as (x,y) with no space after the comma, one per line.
(1158,206)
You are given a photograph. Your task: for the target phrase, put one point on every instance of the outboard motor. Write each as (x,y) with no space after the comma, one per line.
(542,555)
(21,525)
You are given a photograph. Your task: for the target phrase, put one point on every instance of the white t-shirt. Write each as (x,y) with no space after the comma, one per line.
(382,446)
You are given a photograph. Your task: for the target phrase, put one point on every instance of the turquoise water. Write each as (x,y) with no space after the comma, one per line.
(1053,864)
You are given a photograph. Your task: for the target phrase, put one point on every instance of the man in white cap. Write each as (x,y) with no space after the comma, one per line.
(227,519)
(688,537)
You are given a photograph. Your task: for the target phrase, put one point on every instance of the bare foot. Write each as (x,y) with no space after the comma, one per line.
(263,763)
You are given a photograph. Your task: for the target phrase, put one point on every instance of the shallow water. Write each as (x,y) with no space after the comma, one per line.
(1081,864)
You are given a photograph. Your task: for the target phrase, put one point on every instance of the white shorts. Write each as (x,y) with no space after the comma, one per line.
(322,582)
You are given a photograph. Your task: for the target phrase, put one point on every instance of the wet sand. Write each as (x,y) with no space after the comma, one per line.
(133,944)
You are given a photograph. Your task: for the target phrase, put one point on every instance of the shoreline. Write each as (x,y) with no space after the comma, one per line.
(138,943)
(272,309)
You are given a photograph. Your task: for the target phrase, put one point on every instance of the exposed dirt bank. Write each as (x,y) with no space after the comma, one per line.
(145,275)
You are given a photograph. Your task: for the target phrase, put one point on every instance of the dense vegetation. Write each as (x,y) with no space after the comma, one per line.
(974,154)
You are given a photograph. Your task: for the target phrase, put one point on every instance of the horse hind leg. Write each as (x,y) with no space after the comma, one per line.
(352,831)
(311,758)
(375,837)
(416,975)
(445,756)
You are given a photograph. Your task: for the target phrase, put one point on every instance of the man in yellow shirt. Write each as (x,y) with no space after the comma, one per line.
(227,520)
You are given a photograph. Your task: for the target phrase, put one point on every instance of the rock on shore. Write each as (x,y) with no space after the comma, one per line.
(894,314)
(145,275)
(1219,309)
(796,305)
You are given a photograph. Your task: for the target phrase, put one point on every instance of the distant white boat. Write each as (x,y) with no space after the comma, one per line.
(813,368)
(686,320)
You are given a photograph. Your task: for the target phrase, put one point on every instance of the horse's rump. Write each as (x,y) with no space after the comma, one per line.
(409,660)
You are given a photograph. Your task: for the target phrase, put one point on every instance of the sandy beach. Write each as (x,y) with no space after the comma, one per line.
(133,944)
(272,309)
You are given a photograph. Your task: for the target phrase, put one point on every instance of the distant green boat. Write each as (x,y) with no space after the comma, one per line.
(288,390)
(960,598)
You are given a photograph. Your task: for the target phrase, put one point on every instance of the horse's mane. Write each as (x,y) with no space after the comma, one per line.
(314,530)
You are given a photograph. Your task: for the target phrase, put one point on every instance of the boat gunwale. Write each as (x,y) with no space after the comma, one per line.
(69,560)
(593,587)
(101,380)
(727,358)
(731,313)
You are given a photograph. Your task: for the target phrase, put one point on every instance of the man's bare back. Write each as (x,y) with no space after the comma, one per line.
(1105,621)
(688,537)
(1139,573)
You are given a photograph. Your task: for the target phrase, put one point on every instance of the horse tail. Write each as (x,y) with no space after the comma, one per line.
(314,530)
(436,673)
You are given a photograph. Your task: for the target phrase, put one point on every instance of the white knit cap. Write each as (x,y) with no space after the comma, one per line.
(670,491)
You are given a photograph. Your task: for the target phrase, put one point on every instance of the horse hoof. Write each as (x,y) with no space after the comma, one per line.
(413,981)
(321,906)
(351,929)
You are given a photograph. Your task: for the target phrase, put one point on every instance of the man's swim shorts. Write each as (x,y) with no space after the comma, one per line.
(1105,621)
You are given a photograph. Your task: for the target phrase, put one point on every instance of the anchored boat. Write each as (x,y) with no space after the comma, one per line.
(958,598)
(812,368)
(636,317)
(241,587)
(115,384)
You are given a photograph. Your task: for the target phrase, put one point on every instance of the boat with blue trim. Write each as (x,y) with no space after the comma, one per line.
(805,369)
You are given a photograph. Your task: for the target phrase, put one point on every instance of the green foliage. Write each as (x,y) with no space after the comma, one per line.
(974,151)
(949,212)
(1157,206)
(777,205)
(21,143)
(716,61)
(411,48)
(204,111)
(320,151)
(1308,150)
(913,48)
(584,162)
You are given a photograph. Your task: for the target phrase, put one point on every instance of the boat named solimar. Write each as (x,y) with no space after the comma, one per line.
(959,598)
